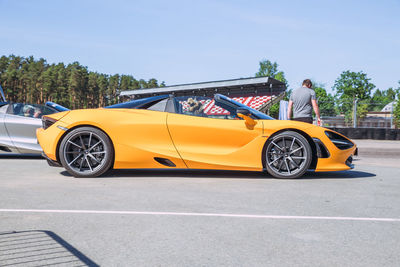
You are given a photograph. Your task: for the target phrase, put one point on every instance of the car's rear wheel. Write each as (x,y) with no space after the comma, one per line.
(86,152)
(287,155)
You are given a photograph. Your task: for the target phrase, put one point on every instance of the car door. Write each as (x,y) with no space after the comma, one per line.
(142,139)
(21,122)
(214,139)
(6,146)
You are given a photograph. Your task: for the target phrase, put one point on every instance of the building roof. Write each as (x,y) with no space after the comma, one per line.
(389,107)
(242,86)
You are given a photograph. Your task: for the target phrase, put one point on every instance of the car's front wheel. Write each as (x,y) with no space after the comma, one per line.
(287,155)
(86,152)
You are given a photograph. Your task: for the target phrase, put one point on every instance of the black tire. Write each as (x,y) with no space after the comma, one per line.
(287,155)
(86,152)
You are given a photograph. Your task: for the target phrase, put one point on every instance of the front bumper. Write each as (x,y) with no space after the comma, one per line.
(48,139)
(51,162)
(337,159)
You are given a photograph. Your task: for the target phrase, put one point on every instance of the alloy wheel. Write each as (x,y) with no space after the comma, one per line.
(288,155)
(86,152)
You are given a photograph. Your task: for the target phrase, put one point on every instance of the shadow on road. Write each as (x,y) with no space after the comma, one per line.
(155,173)
(338,175)
(19,156)
(39,248)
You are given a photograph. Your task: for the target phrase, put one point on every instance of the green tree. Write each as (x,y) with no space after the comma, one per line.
(143,84)
(73,86)
(112,90)
(152,83)
(77,84)
(4,61)
(270,69)
(396,108)
(351,87)
(48,83)
(102,81)
(129,83)
(326,102)
(381,98)
(93,90)
(11,79)
(61,94)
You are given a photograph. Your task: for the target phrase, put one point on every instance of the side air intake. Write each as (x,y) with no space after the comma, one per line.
(339,141)
(165,162)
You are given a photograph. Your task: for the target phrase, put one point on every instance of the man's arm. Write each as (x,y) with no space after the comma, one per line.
(289,110)
(316,110)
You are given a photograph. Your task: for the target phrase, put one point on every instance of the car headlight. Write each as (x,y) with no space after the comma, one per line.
(339,141)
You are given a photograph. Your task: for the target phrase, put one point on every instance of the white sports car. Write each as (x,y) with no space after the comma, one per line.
(18,124)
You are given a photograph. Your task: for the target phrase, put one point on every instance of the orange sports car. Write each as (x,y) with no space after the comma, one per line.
(189,132)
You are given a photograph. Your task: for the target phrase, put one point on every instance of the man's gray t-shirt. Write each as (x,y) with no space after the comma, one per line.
(302,106)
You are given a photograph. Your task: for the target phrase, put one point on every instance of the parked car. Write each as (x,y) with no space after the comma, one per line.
(18,124)
(189,132)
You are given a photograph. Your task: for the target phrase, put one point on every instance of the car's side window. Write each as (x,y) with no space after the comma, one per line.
(202,107)
(30,110)
(159,106)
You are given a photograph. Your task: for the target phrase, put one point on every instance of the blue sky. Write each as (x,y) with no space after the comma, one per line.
(193,41)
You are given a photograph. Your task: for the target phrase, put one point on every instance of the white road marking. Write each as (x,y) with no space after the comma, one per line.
(255,216)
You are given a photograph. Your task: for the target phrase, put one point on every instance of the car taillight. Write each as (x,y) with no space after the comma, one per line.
(47,122)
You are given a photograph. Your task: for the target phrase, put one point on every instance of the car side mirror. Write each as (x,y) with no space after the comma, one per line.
(245,114)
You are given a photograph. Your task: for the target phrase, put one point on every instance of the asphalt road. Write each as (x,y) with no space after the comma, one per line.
(199,218)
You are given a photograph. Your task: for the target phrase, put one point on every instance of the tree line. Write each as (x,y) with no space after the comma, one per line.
(30,80)
(350,88)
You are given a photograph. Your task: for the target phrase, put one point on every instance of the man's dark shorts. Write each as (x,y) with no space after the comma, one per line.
(304,119)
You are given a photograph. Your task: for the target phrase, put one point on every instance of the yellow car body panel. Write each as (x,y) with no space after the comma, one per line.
(48,139)
(138,136)
(209,143)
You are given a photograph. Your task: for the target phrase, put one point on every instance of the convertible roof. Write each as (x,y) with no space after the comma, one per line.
(234,87)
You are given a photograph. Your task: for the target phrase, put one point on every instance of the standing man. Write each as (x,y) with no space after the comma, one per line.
(303,101)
